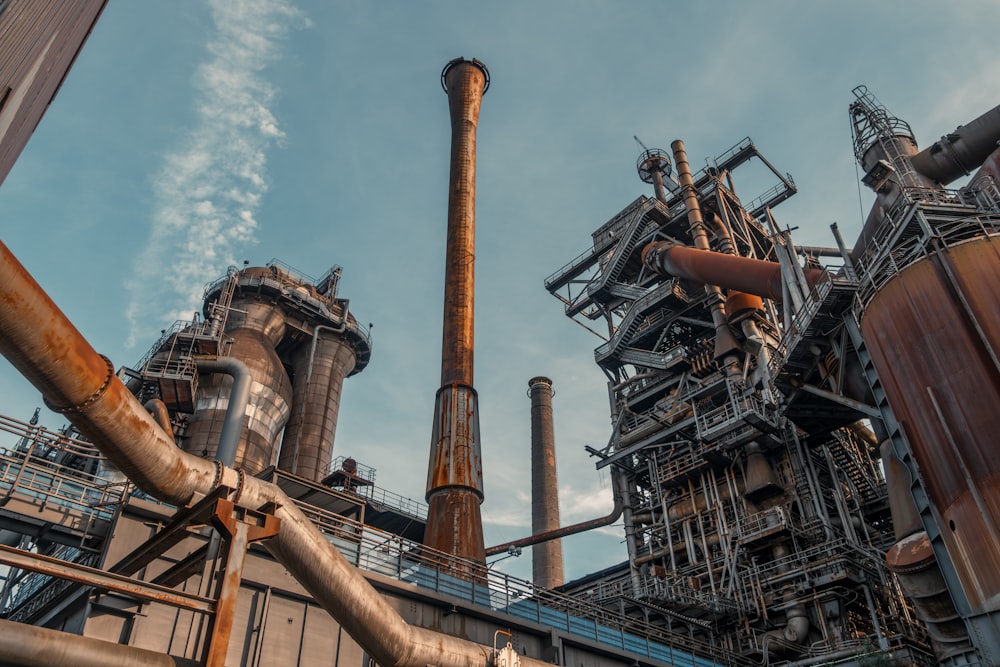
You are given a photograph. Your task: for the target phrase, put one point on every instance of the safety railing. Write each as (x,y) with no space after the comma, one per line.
(45,468)
(29,592)
(395,557)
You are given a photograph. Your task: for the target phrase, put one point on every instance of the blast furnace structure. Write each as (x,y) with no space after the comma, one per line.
(800,448)
(784,416)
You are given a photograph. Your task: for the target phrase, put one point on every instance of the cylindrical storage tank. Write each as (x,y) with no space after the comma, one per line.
(933,332)
(547,557)
(255,326)
(319,368)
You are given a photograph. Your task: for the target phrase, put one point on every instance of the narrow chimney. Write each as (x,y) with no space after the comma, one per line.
(546,558)
(455,471)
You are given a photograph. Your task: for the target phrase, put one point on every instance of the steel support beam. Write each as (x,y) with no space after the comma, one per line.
(109,581)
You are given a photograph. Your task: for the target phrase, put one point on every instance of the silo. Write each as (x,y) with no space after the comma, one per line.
(933,332)
(319,367)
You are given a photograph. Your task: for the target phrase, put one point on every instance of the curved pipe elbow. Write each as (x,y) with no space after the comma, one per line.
(239,399)
(158,409)
(565,531)
(797,628)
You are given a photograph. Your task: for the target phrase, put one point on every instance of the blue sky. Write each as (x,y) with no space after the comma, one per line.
(194,135)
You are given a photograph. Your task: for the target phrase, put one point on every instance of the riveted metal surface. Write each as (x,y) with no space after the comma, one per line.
(933,332)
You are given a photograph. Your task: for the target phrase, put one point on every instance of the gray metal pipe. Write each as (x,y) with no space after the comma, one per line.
(32,646)
(38,339)
(239,399)
(959,153)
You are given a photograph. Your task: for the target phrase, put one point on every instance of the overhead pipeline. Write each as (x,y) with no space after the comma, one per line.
(38,339)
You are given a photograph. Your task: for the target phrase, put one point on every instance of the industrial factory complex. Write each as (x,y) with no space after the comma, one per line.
(801,450)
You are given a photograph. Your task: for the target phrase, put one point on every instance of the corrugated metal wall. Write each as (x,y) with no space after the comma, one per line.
(39,40)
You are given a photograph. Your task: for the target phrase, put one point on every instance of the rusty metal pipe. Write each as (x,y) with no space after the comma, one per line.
(32,646)
(454,474)
(726,346)
(38,339)
(565,531)
(239,399)
(720,232)
(159,410)
(307,445)
(743,274)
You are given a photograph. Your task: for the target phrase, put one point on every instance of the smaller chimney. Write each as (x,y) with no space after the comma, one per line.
(546,558)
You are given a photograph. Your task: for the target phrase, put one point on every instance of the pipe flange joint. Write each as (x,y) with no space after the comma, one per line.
(650,255)
(241,478)
(220,468)
(93,398)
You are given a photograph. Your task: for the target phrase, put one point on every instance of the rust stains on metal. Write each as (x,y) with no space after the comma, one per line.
(465,82)
(240,527)
(912,560)
(744,274)
(455,475)
(122,429)
(934,333)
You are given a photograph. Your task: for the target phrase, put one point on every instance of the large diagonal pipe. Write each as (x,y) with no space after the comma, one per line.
(744,274)
(962,151)
(38,339)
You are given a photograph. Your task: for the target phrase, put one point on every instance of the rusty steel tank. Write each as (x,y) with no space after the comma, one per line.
(255,326)
(933,332)
(455,471)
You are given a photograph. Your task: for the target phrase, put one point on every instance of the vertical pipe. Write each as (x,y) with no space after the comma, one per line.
(455,477)
(726,347)
(256,325)
(546,558)
(319,372)
(239,399)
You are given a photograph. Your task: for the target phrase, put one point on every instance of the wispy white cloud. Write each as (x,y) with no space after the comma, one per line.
(209,188)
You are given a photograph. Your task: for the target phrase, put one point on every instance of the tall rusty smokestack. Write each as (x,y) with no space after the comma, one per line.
(455,472)
(546,558)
